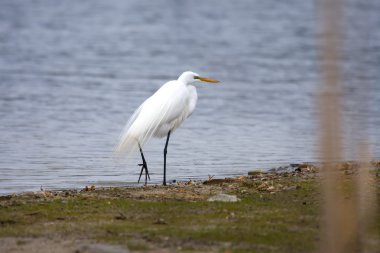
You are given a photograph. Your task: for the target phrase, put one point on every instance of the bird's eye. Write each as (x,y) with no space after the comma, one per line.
(196,77)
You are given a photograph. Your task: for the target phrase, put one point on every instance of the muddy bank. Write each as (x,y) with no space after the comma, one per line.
(277,211)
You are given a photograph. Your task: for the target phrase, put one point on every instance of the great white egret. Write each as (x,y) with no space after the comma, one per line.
(160,115)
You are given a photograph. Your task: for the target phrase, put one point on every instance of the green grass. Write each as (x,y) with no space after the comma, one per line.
(277,213)
(286,221)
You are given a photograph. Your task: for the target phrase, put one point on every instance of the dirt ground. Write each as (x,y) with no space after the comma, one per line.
(276,211)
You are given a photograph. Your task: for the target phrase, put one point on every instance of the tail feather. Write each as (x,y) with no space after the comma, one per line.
(127,144)
(127,141)
(163,107)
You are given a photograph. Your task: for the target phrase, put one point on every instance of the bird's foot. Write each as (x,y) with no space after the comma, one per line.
(144,166)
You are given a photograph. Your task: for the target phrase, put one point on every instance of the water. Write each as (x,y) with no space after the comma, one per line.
(72,72)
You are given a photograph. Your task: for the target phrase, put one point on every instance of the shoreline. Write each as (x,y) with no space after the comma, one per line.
(212,179)
(263,211)
(292,167)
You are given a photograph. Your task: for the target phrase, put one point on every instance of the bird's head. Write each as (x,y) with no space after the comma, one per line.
(189,77)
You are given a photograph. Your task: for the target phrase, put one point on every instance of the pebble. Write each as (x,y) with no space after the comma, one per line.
(223,198)
(293,187)
(254,173)
(160,221)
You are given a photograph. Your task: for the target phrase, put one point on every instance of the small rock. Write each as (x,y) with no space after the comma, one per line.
(254,173)
(293,187)
(223,198)
(160,221)
(262,187)
(121,216)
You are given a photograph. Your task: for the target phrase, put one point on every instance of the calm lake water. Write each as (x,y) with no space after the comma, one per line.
(72,73)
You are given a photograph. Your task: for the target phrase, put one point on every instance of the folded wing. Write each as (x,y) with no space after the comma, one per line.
(164,110)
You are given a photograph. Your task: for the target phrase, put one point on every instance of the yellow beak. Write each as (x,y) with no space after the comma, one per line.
(208,80)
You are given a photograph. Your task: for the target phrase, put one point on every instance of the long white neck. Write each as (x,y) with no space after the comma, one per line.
(183,79)
(187,77)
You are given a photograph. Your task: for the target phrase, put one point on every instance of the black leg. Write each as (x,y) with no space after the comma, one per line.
(165,152)
(143,166)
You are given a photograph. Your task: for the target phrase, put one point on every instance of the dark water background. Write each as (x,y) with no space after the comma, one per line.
(72,72)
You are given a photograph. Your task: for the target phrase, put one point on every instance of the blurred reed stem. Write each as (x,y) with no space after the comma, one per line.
(347,201)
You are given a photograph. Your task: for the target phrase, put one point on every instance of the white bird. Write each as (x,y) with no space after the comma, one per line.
(160,115)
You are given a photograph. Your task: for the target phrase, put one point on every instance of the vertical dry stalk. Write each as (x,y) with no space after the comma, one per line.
(365,196)
(348,201)
(340,217)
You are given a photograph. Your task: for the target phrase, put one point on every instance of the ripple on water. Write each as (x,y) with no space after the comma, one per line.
(72,72)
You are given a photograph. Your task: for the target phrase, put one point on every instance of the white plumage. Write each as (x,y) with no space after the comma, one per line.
(164,111)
